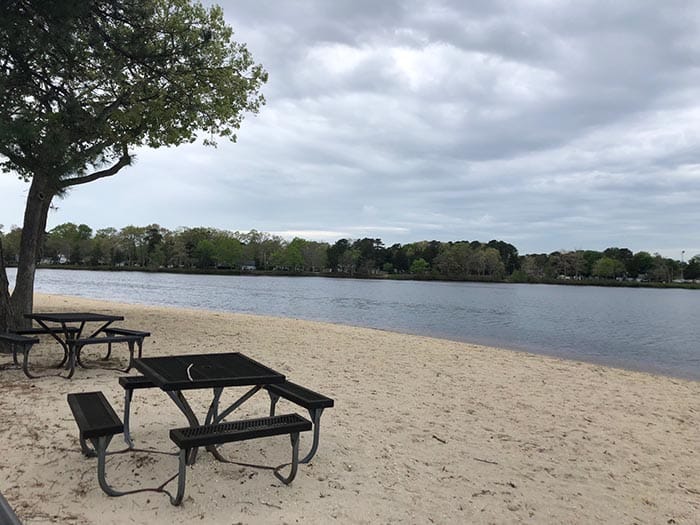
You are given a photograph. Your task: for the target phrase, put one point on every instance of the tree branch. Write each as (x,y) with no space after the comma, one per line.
(125,160)
(16,159)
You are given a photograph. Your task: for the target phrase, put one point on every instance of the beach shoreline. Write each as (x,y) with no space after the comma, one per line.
(423,430)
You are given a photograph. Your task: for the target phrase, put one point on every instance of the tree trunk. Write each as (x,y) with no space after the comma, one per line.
(35,215)
(5,310)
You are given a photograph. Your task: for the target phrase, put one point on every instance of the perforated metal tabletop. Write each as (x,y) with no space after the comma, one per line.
(190,371)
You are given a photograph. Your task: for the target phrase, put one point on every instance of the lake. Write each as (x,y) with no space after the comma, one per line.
(654,330)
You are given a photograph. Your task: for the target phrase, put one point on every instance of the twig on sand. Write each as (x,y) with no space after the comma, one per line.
(440,440)
(687,489)
(486,461)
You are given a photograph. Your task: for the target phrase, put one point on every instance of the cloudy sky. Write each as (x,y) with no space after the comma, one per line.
(552,125)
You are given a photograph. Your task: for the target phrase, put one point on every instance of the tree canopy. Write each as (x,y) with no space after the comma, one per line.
(84,82)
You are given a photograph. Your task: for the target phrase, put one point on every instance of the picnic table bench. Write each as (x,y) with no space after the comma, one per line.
(19,341)
(314,402)
(140,335)
(99,423)
(131,339)
(192,437)
(22,344)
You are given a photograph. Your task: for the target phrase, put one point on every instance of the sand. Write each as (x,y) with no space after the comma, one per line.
(423,431)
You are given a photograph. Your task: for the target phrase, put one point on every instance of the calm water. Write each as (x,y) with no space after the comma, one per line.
(640,329)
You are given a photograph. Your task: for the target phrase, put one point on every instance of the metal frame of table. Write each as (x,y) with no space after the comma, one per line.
(174,374)
(66,320)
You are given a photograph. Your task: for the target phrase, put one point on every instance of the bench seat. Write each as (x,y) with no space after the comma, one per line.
(314,402)
(98,422)
(115,330)
(94,415)
(130,340)
(140,335)
(40,330)
(102,340)
(19,344)
(217,434)
(135,382)
(300,395)
(209,435)
(17,339)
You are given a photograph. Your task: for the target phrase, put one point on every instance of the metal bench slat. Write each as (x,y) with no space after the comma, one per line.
(102,340)
(300,395)
(94,415)
(136,382)
(13,337)
(191,437)
(115,330)
(39,330)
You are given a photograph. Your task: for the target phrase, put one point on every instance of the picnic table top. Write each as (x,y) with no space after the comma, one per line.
(191,371)
(73,317)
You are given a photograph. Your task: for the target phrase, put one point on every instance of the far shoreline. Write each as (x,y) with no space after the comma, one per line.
(603,283)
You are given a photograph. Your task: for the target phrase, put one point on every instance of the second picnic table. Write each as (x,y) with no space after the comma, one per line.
(71,329)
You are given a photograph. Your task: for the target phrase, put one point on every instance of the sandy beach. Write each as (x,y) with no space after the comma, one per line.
(423,431)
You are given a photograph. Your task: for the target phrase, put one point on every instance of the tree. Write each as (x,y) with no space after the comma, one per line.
(662,269)
(228,251)
(103,244)
(419,267)
(590,257)
(640,264)
(314,255)
(452,261)
(508,254)
(335,252)
(372,255)
(493,264)
(608,268)
(204,253)
(533,266)
(69,240)
(290,257)
(11,242)
(85,82)
(397,257)
(692,270)
(260,246)
(132,241)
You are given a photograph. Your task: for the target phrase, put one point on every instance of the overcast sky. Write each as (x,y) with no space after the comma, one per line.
(552,125)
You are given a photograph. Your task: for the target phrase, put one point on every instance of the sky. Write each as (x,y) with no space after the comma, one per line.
(551,125)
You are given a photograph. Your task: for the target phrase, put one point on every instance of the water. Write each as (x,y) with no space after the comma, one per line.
(653,330)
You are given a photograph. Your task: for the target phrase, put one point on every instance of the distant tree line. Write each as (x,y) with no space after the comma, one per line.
(153,247)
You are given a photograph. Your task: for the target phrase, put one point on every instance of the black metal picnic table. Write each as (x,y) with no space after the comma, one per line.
(175,374)
(69,331)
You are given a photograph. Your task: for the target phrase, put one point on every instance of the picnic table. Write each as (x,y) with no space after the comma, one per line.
(67,328)
(175,375)
(178,373)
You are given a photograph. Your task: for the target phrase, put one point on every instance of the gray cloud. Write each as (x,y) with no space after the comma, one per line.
(551,125)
